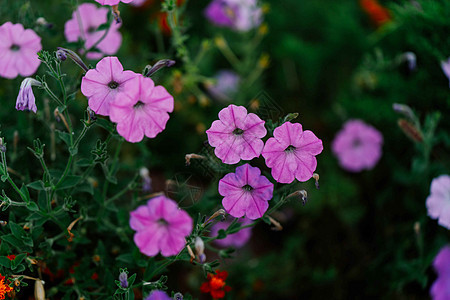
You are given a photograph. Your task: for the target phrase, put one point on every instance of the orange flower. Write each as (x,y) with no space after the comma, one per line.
(216,285)
(377,13)
(4,287)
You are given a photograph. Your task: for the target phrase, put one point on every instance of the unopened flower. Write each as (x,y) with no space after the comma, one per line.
(440,290)
(438,202)
(246,192)
(146,180)
(163,63)
(236,135)
(404,110)
(123,279)
(178,296)
(241,15)
(199,249)
(107,82)
(85,28)
(216,285)
(291,153)
(25,98)
(378,14)
(63,53)
(112,2)
(445,65)
(18,51)
(160,227)
(226,85)
(237,239)
(144,114)
(357,146)
(158,295)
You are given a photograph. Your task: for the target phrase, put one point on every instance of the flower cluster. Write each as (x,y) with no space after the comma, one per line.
(216,285)
(140,111)
(4,287)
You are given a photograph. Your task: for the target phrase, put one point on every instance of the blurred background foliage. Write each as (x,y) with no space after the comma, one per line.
(361,235)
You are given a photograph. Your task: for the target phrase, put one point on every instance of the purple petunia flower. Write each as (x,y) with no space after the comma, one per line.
(246,192)
(237,135)
(160,227)
(291,153)
(438,202)
(158,295)
(237,239)
(226,85)
(440,290)
(357,146)
(18,51)
(85,28)
(145,114)
(112,2)
(241,15)
(25,99)
(107,82)
(445,65)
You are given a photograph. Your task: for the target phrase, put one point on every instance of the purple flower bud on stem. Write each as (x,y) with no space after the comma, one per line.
(149,70)
(123,279)
(61,55)
(75,58)
(404,110)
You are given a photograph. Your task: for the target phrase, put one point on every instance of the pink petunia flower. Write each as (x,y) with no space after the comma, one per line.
(18,51)
(138,2)
(237,135)
(107,82)
(445,65)
(237,239)
(440,290)
(112,2)
(160,227)
(246,192)
(145,114)
(438,202)
(90,18)
(291,153)
(357,146)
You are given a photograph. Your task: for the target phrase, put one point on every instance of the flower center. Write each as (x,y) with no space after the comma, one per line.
(15,47)
(163,222)
(139,104)
(91,29)
(238,131)
(356,143)
(247,187)
(290,149)
(113,85)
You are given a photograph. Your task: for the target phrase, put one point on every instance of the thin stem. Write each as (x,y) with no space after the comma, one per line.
(5,167)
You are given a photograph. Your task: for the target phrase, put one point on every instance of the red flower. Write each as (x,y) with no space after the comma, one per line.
(216,285)
(11,257)
(377,13)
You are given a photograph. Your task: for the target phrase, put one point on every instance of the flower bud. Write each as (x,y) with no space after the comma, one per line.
(123,279)
(61,55)
(149,70)
(75,58)
(199,246)
(404,110)
(178,296)
(316,178)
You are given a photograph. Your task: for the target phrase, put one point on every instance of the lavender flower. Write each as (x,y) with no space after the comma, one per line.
(25,99)
(240,15)
(226,85)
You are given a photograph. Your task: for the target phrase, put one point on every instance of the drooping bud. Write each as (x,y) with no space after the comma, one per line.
(60,117)
(220,212)
(61,55)
(404,110)
(123,279)
(188,158)
(75,58)
(276,224)
(150,70)
(25,98)
(290,117)
(316,178)
(303,194)
(91,114)
(116,13)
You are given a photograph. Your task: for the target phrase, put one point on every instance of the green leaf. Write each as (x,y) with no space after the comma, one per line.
(19,258)
(84,162)
(36,185)
(64,136)
(32,206)
(221,234)
(5,262)
(69,181)
(131,279)
(11,239)
(17,230)
(24,190)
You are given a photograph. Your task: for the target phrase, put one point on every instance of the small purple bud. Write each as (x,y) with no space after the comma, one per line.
(91,113)
(149,70)
(404,110)
(61,55)
(146,180)
(2,146)
(178,296)
(123,279)
(202,258)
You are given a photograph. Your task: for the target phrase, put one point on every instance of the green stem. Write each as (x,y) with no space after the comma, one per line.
(5,166)
(102,37)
